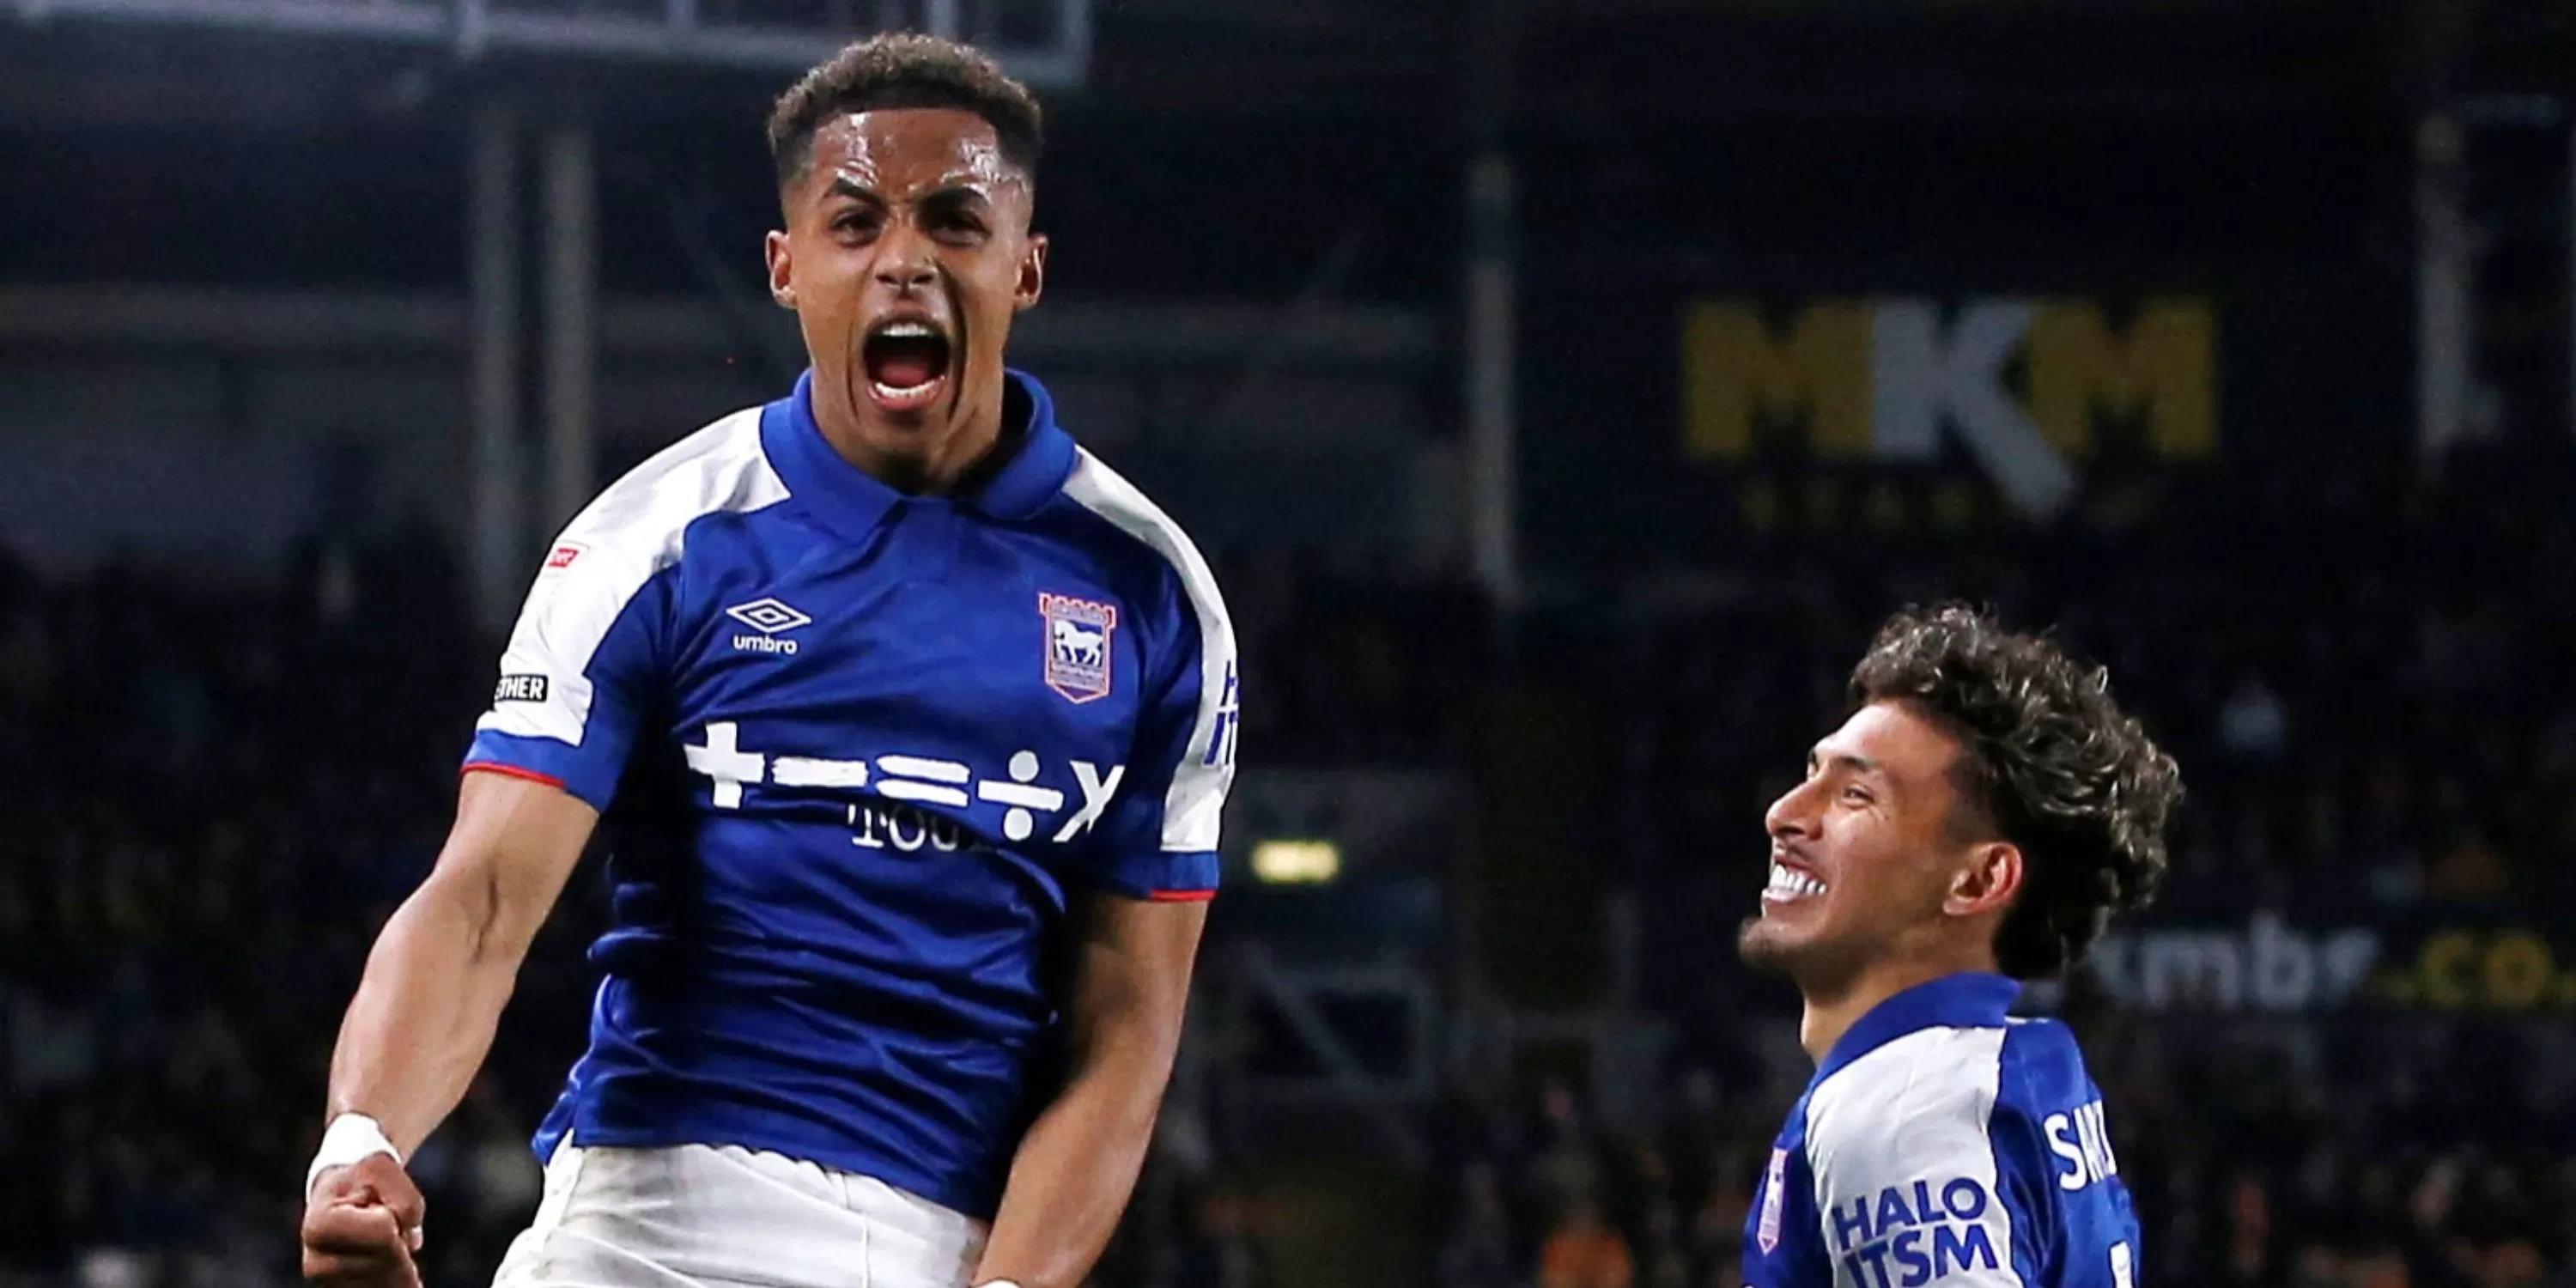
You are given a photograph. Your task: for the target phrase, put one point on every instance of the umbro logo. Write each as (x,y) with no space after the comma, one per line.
(770,617)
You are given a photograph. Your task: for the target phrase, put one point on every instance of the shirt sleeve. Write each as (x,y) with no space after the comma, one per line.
(578,672)
(1158,838)
(1913,1187)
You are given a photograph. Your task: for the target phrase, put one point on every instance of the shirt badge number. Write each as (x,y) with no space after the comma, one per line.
(1077,645)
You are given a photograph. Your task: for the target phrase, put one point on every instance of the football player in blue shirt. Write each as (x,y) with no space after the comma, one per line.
(1974,823)
(910,724)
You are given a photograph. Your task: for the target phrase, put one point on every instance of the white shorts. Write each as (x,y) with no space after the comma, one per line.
(700,1216)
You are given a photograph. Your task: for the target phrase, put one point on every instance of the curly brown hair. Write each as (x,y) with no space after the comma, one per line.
(2050,763)
(905,69)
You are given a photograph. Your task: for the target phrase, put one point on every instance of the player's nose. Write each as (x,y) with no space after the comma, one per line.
(907,276)
(1789,817)
(905,264)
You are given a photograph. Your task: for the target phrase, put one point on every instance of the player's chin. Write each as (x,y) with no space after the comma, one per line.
(1769,944)
(901,434)
(906,438)
(1786,931)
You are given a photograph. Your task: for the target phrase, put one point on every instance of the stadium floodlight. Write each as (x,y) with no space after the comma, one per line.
(1294,862)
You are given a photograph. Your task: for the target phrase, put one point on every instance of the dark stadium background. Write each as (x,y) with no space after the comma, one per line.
(1468,340)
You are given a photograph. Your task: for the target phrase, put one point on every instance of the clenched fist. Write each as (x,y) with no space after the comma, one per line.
(361,1225)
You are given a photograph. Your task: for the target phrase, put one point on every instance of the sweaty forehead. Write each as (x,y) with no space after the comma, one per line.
(911,151)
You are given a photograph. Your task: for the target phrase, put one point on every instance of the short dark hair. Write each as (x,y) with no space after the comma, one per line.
(898,70)
(2049,761)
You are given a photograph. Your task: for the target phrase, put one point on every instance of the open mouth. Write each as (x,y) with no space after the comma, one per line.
(907,363)
(1789,885)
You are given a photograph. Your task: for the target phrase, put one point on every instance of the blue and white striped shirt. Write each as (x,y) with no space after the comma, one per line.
(1943,1143)
(856,749)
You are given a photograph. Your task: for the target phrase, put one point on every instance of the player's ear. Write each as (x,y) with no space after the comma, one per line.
(1987,881)
(782,274)
(1032,283)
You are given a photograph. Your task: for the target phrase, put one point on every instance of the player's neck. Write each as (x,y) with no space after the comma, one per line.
(1831,1012)
(958,448)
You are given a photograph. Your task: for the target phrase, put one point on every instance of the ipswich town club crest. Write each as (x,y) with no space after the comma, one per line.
(1077,645)
(1766,1230)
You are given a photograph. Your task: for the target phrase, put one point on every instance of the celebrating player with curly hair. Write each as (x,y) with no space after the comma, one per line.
(1974,823)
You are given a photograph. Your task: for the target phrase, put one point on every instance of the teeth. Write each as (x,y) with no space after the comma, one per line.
(909,331)
(1789,883)
(912,394)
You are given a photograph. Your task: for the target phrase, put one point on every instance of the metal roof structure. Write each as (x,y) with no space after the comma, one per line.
(1046,42)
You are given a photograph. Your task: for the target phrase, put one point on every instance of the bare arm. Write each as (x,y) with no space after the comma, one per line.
(1078,1163)
(447,960)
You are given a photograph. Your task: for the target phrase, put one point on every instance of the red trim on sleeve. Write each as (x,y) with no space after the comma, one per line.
(513,771)
(1181,896)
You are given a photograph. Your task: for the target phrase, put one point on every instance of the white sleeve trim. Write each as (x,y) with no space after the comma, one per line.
(1194,808)
(1904,1162)
(605,556)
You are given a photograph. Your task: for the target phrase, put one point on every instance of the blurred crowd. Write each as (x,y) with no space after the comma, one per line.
(217,792)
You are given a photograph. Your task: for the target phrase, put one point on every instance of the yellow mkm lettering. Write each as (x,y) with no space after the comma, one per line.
(2165,366)
(1734,370)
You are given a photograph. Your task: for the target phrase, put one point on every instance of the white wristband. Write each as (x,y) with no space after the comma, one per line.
(349,1138)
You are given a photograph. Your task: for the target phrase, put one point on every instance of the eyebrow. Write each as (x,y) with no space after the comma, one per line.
(1846,760)
(845,186)
(953,194)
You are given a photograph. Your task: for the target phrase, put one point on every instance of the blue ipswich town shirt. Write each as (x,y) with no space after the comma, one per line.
(860,747)
(1943,1143)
